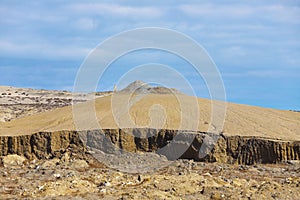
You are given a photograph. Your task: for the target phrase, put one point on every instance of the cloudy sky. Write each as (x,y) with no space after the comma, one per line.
(255,45)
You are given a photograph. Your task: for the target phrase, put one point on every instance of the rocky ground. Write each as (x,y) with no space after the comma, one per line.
(20,102)
(77,178)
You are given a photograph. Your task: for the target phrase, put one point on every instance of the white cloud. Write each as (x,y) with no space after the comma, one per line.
(44,50)
(85,24)
(262,73)
(20,15)
(216,10)
(276,12)
(117,10)
(272,73)
(286,14)
(234,52)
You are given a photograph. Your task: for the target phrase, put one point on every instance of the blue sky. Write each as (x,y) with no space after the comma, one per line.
(255,45)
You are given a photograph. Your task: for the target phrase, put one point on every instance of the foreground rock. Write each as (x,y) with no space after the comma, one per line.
(183,179)
(13,160)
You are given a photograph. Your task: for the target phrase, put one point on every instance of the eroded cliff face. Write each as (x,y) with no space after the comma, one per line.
(233,149)
(42,145)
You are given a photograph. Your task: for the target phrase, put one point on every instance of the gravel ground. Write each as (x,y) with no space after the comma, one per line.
(71,177)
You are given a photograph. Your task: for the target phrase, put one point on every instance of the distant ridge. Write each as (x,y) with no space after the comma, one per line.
(140,87)
(295,110)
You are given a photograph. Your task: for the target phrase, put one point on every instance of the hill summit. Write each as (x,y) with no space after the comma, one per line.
(140,87)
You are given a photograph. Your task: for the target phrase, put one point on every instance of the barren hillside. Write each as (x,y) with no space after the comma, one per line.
(160,110)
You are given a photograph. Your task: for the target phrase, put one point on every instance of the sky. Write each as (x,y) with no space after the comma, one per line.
(255,45)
